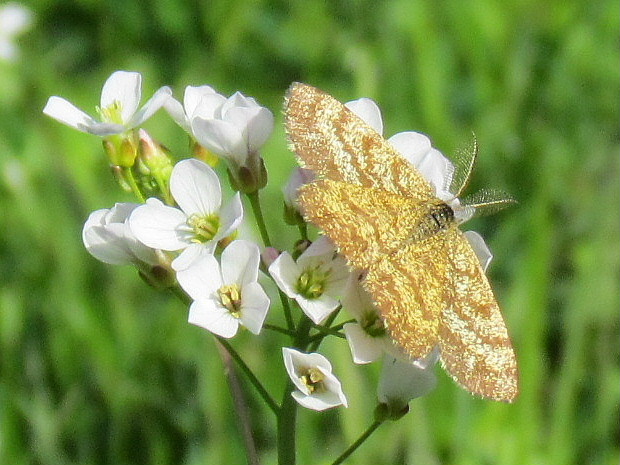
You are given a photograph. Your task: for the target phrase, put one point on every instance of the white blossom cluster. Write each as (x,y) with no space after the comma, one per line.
(192,234)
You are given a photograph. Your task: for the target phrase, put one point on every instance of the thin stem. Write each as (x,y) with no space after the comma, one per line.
(275,408)
(241,406)
(251,376)
(260,219)
(278,329)
(288,409)
(260,222)
(321,335)
(357,443)
(326,328)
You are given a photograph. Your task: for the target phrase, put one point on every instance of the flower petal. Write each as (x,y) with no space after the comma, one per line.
(285,272)
(402,381)
(153,104)
(177,113)
(222,138)
(192,253)
(321,250)
(160,227)
(431,163)
(195,187)
(192,97)
(369,111)
(255,122)
(240,262)
(318,402)
(254,306)
(297,362)
(209,106)
(318,309)
(411,145)
(67,113)
(202,278)
(364,348)
(107,243)
(260,128)
(124,87)
(231,216)
(214,318)
(480,248)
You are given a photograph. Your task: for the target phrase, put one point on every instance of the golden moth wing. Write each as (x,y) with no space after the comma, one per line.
(333,141)
(409,288)
(364,223)
(474,342)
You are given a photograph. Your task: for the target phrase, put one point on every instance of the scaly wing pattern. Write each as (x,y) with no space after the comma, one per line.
(409,288)
(364,223)
(474,342)
(333,141)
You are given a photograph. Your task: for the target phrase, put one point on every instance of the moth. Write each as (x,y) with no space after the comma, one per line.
(416,263)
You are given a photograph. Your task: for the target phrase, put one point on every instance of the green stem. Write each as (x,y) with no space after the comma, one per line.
(286,427)
(258,215)
(326,328)
(251,376)
(357,443)
(321,335)
(288,409)
(131,180)
(237,358)
(260,222)
(278,329)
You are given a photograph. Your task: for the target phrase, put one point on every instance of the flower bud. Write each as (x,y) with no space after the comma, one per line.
(154,156)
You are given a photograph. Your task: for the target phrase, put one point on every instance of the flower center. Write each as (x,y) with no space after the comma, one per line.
(230,298)
(313,379)
(311,283)
(205,227)
(112,113)
(372,324)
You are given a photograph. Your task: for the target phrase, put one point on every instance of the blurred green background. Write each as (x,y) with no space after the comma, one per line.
(97,368)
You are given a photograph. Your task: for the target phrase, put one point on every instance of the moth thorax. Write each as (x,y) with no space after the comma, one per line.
(440,217)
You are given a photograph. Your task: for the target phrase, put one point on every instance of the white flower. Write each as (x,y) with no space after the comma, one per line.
(402,381)
(315,280)
(14,19)
(228,295)
(233,128)
(118,112)
(197,101)
(368,338)
(417,149)
(107,237)
(317,387)
(198,224)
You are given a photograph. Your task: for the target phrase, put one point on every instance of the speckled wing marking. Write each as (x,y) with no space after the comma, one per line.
(333,141)
(474,342)
(409,288)
(365,223)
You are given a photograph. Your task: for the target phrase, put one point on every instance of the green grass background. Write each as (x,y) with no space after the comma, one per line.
(97,368)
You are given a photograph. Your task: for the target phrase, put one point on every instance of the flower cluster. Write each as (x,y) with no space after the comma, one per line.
(182,234)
